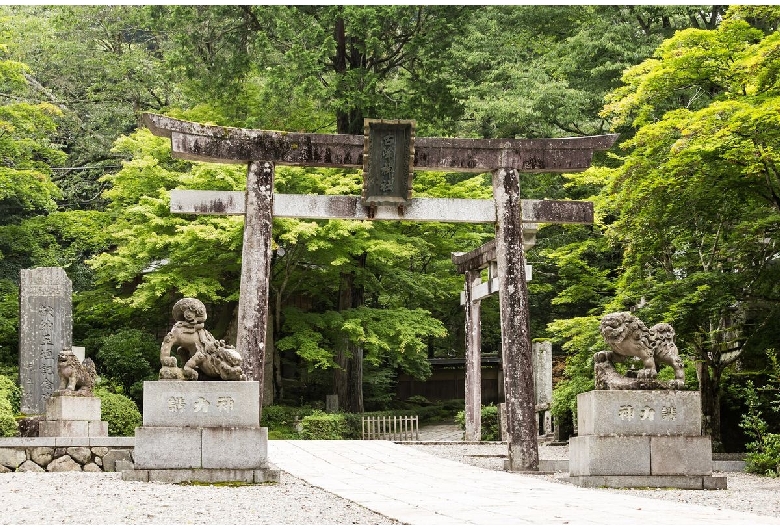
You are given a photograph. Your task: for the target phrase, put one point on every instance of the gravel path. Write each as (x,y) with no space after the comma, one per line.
(103,498)
(745,493)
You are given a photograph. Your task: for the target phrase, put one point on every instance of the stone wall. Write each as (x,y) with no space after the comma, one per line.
(110,454)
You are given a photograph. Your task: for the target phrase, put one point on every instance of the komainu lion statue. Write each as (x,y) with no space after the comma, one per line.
(629,338)
(76,378)
(204,357)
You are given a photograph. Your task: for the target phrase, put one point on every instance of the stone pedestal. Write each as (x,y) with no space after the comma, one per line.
(201,431)
(72,416)
(641,438)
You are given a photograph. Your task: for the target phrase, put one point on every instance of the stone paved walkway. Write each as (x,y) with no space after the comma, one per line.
(413,487)
(447,432)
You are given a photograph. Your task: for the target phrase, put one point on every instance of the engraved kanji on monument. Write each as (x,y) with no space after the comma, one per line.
(45,329)
(388,163)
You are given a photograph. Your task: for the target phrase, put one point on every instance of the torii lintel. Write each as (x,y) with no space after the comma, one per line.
(212,143)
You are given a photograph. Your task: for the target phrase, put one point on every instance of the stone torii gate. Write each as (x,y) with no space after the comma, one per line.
(475,290)
(504,158)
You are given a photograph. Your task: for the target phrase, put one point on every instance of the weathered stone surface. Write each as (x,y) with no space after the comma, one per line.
(45,328)
(12,457)
(255,279)
(204,356)
(123,465)
(553,466)
(234,448)
(728,466)
(523,450)
(72,408)
(194,141)
(28,466)
(639,412)
(137,475)
(92,467)
(100,451)
(98,461)
(680,455)
(42,455)
(165,448)
(609,455)
(434,209)
(714,483)
(201,404)
(176,476)
(65,428)
(109,441)
(630,338)
(82,455)
(63,463)
(27,442)
(98,429)
(668,481)
(76,378)
(60,451)
(114,456)
(542,356)
(267,475)
(473,392)
(4,469)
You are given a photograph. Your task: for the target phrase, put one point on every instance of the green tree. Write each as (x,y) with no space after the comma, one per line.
(353,61)
(695,197)
(99,66)
(27,193)
(543,71)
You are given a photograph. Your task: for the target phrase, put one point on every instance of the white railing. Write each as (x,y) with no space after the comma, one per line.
(394,428)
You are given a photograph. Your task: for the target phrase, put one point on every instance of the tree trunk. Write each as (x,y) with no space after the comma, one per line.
(348,376)
(347,121)
(709,389)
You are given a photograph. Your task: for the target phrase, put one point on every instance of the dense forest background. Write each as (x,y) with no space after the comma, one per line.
(687,203)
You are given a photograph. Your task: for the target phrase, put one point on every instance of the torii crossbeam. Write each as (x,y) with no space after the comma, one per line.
(505,159)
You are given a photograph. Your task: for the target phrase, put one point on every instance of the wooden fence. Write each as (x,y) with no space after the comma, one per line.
(394,428)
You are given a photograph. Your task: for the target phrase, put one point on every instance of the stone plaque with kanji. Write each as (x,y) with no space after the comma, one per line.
(388,162)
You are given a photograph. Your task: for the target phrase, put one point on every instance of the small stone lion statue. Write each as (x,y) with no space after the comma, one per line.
(204,356)
(76,378)
(629,338)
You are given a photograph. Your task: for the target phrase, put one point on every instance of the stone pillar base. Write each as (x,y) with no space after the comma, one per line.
(210,476)
(72,416)
(72,408)
(639,439)
(201,431)
(702,482)
(72,428)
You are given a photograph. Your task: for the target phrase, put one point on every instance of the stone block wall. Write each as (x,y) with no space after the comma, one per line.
(51,454)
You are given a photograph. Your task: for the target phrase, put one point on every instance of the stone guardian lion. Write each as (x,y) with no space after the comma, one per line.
(76,378)
(628,337)
(204,357)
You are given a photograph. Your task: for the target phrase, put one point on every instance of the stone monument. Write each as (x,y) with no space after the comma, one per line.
(72,410)
(45,328)
(635,431)
(542,356)
(196,429)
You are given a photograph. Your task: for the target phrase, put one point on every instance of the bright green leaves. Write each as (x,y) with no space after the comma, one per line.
(168,255)
(394,337)
(691,70)
(26,152)
(697,196)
